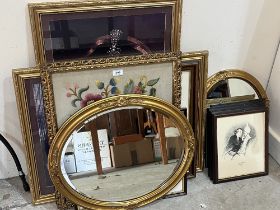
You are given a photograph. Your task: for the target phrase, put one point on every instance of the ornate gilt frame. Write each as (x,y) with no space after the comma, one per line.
(36,10)
(19,78)
(95,64)
(199,58)
(238,74)
(104,105)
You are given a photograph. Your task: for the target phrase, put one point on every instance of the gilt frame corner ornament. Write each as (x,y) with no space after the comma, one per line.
(64,68)
(110,103)
(90,9)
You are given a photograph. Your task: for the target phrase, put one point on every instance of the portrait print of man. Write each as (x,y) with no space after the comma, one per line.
(234,143)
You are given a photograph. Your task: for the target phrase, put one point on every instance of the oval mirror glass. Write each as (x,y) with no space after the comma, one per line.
(133,156)
(123,150)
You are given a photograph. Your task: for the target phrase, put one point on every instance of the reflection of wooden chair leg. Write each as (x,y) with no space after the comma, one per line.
(162,138)
(95,143)
(154,126)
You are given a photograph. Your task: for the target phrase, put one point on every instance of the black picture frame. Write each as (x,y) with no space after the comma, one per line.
(236,155)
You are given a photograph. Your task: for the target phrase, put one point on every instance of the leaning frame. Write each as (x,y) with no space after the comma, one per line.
(20,76)
(239,112)
(198,104)
(36,10)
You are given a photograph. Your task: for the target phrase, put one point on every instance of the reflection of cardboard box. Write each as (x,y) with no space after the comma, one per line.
(132,153)
(174,146)
(120,155)
(144,150)
(84,153)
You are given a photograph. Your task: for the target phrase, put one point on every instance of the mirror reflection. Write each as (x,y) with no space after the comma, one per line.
(121,154)
(232,87)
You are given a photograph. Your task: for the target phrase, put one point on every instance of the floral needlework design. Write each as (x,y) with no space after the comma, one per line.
(141,87)
(77,92)
(84,97)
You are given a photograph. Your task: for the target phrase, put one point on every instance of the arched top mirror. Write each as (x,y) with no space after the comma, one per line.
(121,152)
(236,84)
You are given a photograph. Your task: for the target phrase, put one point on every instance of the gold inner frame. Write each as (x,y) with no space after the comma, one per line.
(95,64)
(105,105)
(36,10)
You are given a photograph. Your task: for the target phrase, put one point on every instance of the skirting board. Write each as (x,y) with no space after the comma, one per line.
(274,145)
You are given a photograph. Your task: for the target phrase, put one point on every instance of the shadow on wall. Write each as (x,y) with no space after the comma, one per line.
(262,45)
(273,89)
(12,132)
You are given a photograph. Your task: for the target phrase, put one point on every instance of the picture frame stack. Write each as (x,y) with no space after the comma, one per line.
(236,143)
(238,140)
(76,36)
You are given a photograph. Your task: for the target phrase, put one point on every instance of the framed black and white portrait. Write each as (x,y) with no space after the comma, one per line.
(238,137)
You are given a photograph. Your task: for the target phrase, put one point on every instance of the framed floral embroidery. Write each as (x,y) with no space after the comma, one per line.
(70,86)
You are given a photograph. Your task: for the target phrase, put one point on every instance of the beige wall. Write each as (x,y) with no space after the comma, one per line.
(238,34)
(273,90)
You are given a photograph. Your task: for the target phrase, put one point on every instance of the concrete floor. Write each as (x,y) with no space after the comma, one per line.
(124,181)
(261,193)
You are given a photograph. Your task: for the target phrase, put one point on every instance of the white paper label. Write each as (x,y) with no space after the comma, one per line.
(117,72)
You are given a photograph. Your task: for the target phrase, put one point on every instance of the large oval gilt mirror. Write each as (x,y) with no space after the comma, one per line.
(121,152)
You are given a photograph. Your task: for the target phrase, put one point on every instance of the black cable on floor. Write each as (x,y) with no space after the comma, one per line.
(14,155)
